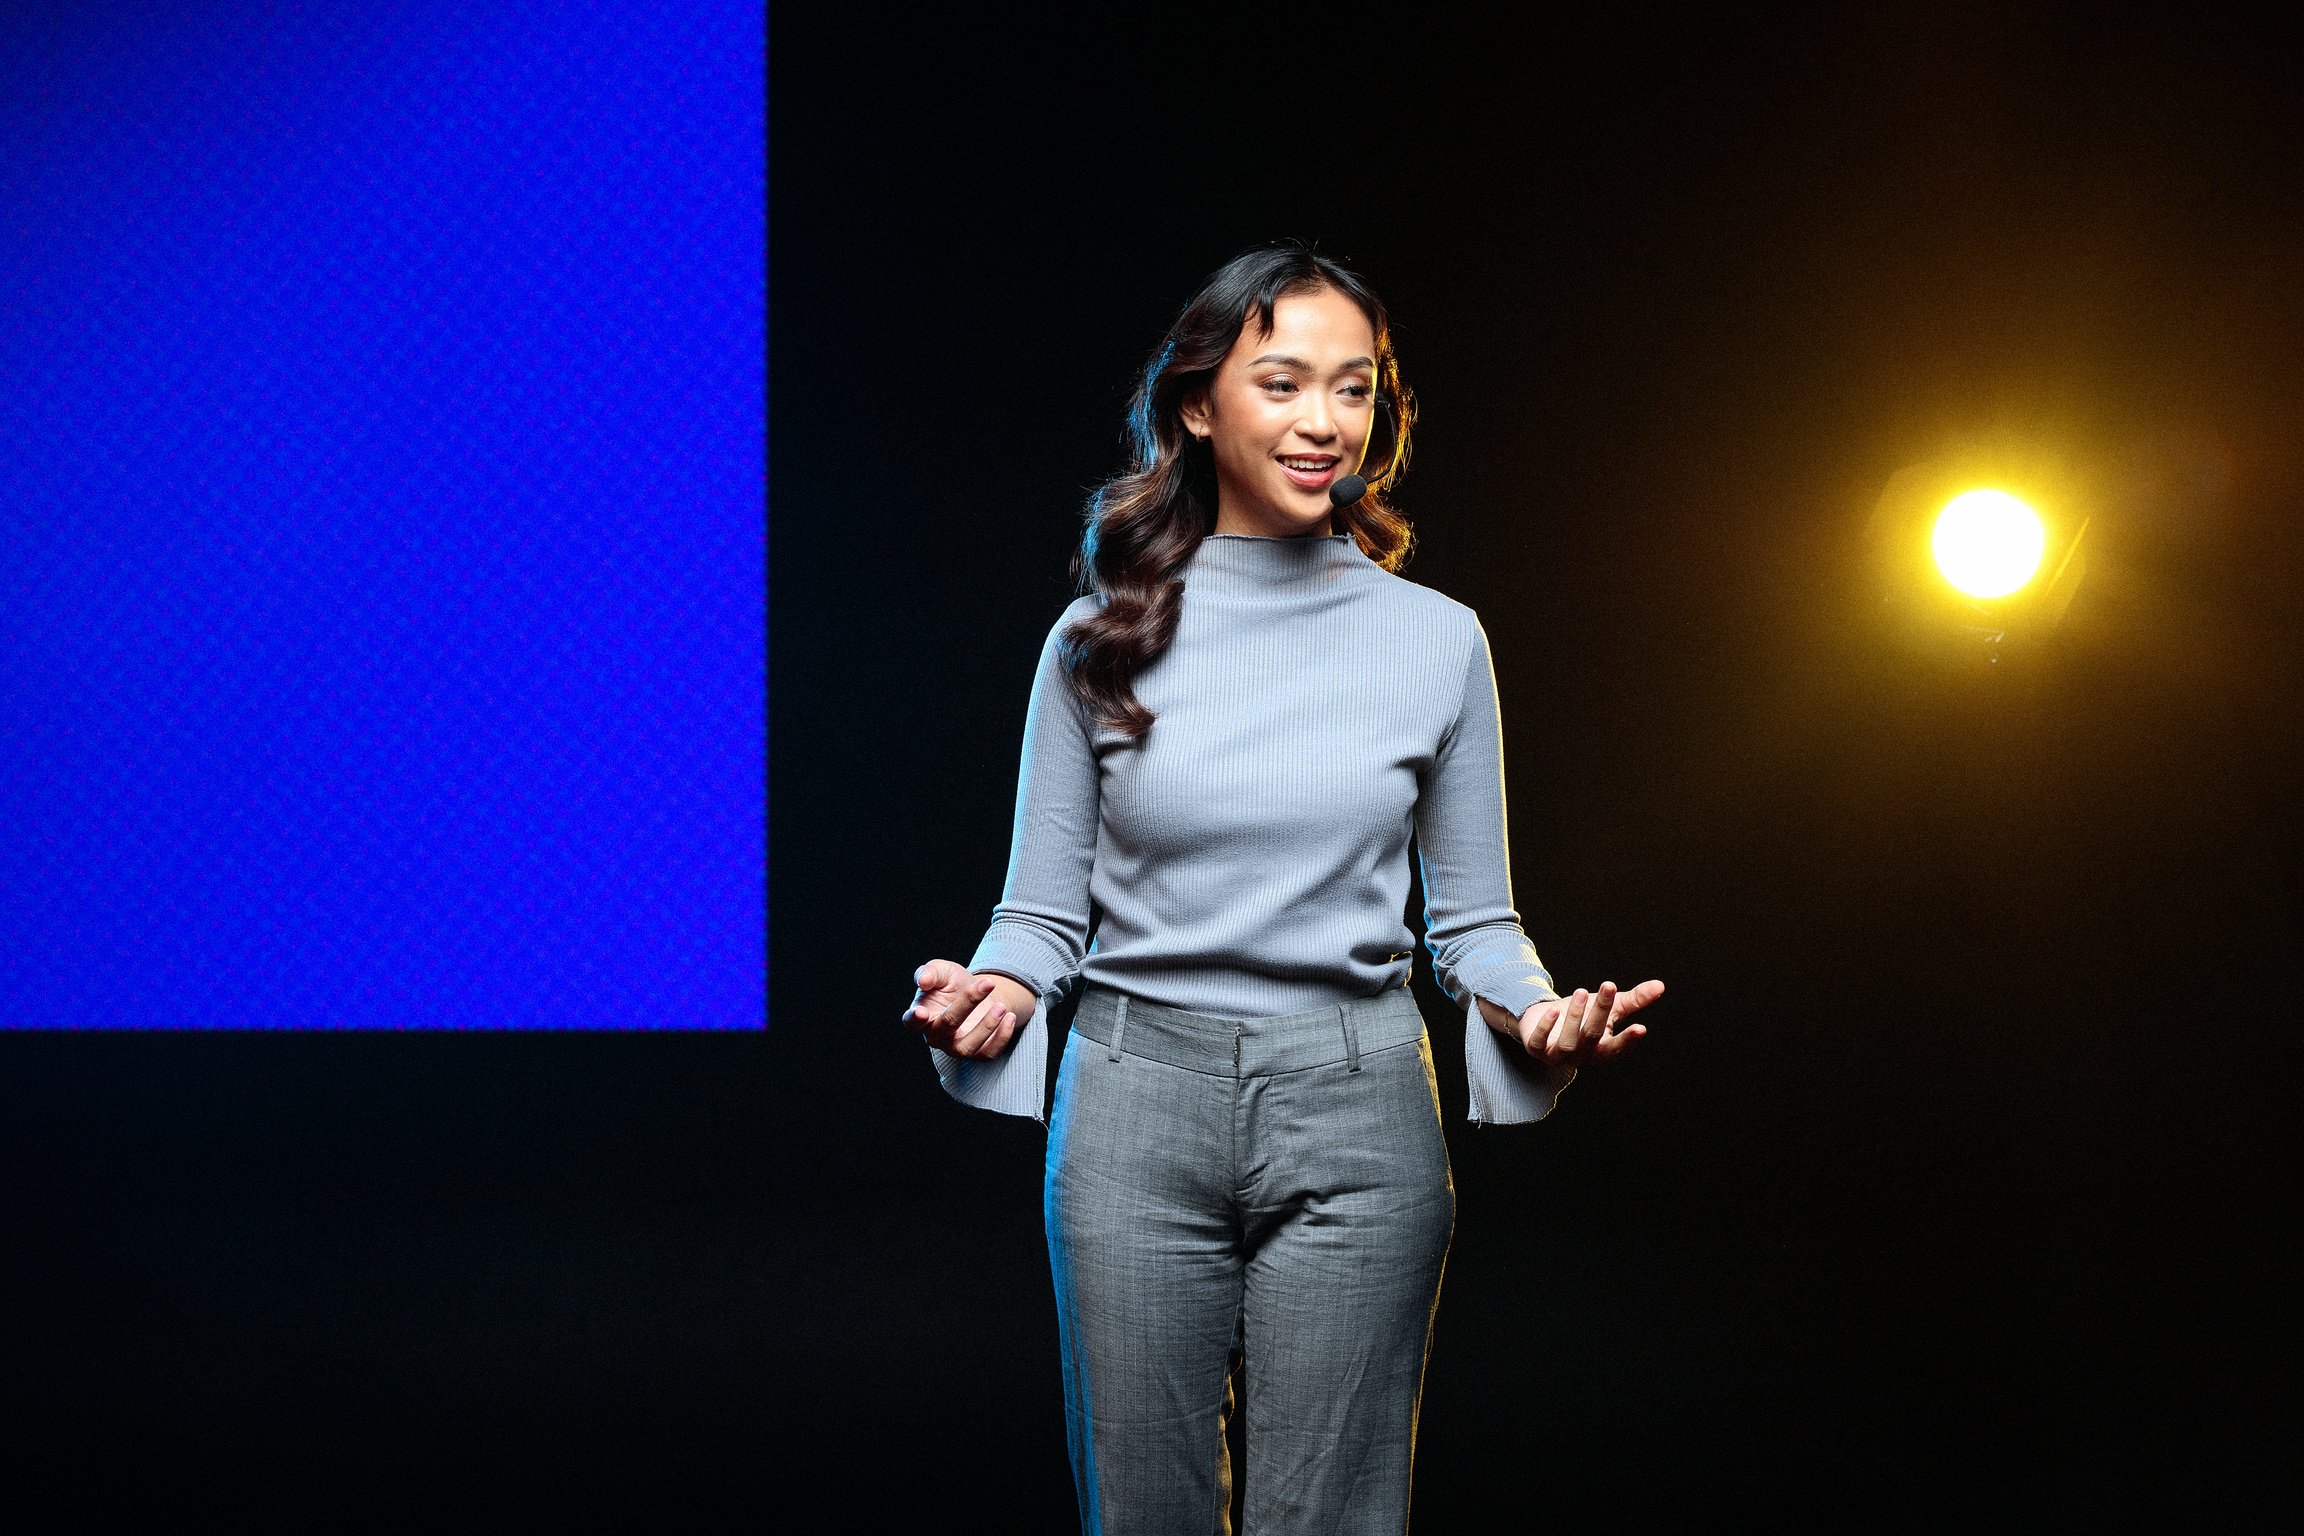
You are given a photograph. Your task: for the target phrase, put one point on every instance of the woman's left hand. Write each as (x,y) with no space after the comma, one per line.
(1586,1027)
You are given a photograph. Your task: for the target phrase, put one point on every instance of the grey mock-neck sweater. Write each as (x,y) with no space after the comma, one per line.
(1248,856)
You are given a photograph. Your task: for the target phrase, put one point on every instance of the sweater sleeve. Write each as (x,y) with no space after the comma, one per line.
(1039,929)
(1470,925)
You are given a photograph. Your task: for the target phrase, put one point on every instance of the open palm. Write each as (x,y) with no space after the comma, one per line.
(1586,1027)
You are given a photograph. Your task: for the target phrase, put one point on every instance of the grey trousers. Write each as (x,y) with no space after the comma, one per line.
(1276,1186)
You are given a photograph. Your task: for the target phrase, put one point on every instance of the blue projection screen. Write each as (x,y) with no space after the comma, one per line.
(382,454)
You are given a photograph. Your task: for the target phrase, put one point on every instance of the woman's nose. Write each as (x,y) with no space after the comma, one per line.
(1316,422)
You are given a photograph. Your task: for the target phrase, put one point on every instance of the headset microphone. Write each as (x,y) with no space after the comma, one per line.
(1347,491)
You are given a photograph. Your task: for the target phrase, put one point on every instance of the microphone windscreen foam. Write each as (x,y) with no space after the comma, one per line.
(1347,491)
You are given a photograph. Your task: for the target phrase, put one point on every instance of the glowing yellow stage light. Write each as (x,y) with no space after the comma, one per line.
(1988,543)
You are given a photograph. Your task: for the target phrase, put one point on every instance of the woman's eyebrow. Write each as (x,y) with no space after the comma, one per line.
(1297,362)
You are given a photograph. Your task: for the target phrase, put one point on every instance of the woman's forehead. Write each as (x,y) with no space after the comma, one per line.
(1322,327)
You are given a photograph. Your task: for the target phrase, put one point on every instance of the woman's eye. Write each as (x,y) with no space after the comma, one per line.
(1281,386)
(1358,391)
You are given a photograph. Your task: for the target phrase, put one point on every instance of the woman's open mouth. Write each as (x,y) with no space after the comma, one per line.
(1312,471)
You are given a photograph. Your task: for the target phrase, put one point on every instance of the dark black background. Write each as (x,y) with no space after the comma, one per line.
(1955,1180)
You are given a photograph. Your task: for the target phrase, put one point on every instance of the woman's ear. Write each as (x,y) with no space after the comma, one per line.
(1194,409)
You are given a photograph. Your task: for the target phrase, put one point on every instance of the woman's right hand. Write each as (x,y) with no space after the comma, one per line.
(961,1013)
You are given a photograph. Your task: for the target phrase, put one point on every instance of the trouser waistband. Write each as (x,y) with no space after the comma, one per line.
(1229,1047)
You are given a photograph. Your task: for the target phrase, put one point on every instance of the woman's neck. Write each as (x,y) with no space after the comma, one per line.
(1254,518)
(1240,528)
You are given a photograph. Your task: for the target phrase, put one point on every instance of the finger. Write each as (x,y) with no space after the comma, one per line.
(1598,1014)
(1001,1034)
(1552,1027)
(951,1012)
(997,1041)
(1569,1025)
(1621,1041)
(1572,1028)
(1538,1028)
(1629,1003)
(977,1028)
(957,1002)
(933,983)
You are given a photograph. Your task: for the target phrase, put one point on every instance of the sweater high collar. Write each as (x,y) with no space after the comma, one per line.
(1242,560)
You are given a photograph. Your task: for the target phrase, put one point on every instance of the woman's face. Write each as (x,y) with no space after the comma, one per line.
(1287,414)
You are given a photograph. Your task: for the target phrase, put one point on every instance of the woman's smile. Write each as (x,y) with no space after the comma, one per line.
(1312,471)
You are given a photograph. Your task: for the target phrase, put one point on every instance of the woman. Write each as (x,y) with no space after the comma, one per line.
(1234,733)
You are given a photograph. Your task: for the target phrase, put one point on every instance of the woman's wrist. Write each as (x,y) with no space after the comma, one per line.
(1499,1018)
(1019,999)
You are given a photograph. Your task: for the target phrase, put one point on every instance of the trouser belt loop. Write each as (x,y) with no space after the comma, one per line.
(1119,1025)
(1351,1037)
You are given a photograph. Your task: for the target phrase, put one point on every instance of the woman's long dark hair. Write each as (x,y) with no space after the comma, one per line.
(1142,525)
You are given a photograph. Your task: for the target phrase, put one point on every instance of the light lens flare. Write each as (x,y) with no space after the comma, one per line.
(1988,543)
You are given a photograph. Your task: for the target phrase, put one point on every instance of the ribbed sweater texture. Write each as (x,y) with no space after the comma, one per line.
(1319,720)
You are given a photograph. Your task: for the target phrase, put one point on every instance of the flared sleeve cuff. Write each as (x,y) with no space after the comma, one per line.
(1015,1082)
(1508,1086)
